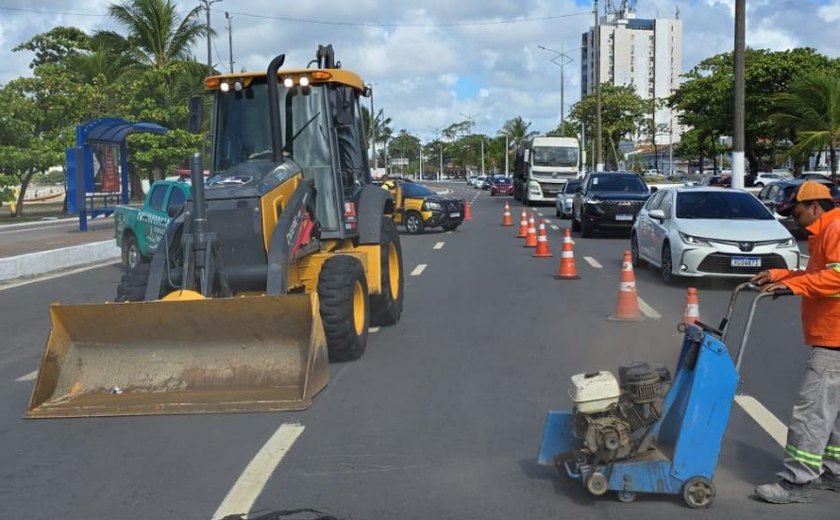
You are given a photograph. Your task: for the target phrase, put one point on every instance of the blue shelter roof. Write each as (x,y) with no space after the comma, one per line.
(114,130)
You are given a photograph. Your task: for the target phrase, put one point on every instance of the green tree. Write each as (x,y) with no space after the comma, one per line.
(705,99)
(517,130)
(812,108)
(156,33)
(622,113)
(405,146)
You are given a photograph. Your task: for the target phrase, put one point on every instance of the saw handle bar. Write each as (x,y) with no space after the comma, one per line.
(723,330)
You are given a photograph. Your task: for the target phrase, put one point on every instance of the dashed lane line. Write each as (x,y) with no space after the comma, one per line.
(594,263)
(28,377)
(449,232)
(647,310)
(764,417)
(418,270)
(554,227)
(439,245)
(373,329)
(251,482)
(547,221)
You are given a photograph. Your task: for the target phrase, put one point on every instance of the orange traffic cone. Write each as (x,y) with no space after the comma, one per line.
(627,307)
(523,225)
(506,220)
(692,307)
(467,212)
(568,270)
(531,238)
(542,243)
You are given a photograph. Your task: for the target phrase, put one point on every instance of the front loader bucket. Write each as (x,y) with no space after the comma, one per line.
(244,354)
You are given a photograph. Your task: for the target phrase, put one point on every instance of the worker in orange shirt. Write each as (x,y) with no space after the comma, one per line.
(812,452)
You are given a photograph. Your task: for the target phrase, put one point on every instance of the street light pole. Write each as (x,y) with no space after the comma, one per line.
(599,163)
(738,125)
(564,59)
(207,4)
(372,124)
(230,39)
(507,155)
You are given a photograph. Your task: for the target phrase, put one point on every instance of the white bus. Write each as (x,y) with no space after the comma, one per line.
(542,166)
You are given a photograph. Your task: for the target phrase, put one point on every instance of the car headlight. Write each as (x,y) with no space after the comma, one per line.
(433,206)
(593,201)
(693,240)
(534,188)
(788,242)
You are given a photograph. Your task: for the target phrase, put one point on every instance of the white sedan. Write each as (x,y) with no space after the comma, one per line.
(698,231)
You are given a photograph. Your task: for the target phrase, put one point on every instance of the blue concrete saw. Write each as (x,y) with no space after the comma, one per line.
(646,432)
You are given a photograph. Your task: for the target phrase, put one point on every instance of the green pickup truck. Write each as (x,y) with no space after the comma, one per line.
(138,230)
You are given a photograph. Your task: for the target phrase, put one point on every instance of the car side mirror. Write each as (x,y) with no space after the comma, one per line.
(657,214)
(654,189)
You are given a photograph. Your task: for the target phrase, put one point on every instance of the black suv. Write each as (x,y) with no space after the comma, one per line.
(608,200)
(776,196)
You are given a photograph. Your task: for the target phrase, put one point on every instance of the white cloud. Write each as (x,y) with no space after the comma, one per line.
(418,65)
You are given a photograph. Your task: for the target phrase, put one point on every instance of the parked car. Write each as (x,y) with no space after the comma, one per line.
(478,183)
(563,203)
(694,231)
(722,181)
(776,196)
(422,208)
(763,179)
(608,200)
(137,231)
(501,186)
(471,179)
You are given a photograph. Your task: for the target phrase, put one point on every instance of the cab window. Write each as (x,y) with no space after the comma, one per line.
(158,194)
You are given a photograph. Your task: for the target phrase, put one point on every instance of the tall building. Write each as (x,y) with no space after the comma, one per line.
(644,53)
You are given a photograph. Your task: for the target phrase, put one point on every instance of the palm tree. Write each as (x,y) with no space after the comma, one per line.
(156,33)
(517,130)
(811,108)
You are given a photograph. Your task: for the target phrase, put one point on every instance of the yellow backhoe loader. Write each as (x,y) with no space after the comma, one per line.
(278,263)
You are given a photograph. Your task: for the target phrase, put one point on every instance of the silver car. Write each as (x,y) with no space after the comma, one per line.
(563,203)
(700,231)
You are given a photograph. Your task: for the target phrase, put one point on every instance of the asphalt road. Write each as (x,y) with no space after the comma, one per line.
(441,418)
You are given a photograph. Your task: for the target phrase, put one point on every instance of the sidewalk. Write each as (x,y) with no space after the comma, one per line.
(41,247)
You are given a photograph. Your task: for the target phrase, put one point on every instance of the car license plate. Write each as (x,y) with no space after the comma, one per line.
(624,217)
(453,215)
(745,261)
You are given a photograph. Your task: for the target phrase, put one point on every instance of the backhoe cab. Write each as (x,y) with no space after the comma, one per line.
(284,257)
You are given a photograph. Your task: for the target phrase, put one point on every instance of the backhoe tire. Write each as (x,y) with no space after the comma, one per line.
(345,307)
(386,308)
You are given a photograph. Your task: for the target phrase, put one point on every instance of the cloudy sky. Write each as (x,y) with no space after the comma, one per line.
(436,62)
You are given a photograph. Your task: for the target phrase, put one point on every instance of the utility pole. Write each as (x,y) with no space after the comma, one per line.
(738,125)
(207,4)
(561,59)
(230,39)
(599,163)
(507,155)
(482,156)
(421,161)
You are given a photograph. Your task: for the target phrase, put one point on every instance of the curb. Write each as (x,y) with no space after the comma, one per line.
(33,264)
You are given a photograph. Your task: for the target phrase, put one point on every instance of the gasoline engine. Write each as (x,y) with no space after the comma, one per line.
(611,418)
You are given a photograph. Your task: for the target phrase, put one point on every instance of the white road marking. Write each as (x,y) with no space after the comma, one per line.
(546,220)
(647,310)
(44,278)
(594,263)
(439,245)
(373,329)
(555,228)
(449,232)
(28,377)
(764,417)
(418,270)
(251,482)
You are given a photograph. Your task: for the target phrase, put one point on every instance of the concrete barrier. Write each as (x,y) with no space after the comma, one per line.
(33,264)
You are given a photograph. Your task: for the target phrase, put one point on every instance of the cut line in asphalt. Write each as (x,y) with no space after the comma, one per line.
(251,482)
(594,263)
(28,377)
(764,417)
(418,270)
(647,310)
(439,245)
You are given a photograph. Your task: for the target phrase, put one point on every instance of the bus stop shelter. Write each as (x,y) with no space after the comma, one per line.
(97,167)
